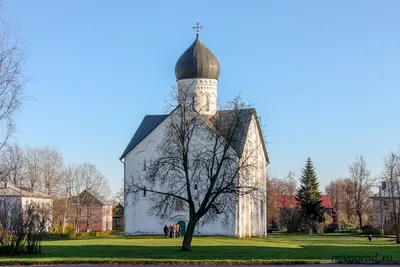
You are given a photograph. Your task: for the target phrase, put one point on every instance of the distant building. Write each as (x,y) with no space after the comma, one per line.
(18,198)
(382,207)
(95,212)
(118,218)
(286,201)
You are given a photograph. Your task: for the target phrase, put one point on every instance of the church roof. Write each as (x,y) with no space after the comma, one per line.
(149,123)
(240,134)
(197,62)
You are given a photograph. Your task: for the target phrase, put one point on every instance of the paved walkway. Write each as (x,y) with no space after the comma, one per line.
(291,265)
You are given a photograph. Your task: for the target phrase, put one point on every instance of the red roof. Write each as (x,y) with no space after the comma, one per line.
(327,202)
(286,201)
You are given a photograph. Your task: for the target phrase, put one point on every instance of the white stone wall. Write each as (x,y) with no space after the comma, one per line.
(13,203)
(251,216)
(386,209)
(43,202)
(204,91)
(136,217)
(106,218)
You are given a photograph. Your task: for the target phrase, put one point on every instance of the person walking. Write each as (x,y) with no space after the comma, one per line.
(178,230)
(171,231)
(370,238)
(166,231)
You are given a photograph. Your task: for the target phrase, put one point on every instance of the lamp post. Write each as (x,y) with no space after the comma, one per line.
(381,208)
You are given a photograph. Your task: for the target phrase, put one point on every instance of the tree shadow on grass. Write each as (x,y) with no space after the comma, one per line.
(209,253)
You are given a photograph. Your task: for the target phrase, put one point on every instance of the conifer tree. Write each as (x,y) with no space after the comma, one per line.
(309,197)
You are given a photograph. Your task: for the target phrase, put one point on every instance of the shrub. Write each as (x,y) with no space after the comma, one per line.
(350,226)
(83,234)
(69,229)
(103,233)
(330,228)
(370,230)
(21,231)
(57,229)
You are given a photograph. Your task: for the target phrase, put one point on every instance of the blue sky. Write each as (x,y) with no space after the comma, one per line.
(323,75)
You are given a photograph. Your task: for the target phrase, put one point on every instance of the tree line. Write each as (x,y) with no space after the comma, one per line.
(352,198)
(43,169)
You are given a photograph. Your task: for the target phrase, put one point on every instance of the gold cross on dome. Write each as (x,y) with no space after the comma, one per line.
(197,28)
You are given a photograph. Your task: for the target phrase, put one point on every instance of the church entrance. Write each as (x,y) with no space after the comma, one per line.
(182,224)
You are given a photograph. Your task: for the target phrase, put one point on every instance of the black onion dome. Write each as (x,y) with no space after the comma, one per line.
(197,62)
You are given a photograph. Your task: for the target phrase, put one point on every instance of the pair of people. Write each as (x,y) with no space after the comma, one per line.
(174,230)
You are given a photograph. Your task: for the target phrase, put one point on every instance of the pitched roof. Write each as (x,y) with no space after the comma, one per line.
(226,121)
(11,190)
(240,134)
(149,123)
(99,198)
(327,202)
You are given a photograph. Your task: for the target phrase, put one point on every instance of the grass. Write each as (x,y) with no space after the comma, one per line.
(276,248)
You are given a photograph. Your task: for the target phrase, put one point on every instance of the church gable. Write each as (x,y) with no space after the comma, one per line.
(227,120)
(149,123)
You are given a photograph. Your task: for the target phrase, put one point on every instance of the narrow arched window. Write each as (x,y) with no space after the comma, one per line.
(144,164)
(207,102)
(144,191)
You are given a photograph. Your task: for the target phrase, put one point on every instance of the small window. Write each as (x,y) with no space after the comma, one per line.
(179,205)
(207,102)
(385,203)
(262,209)
(144,191)
(144,165)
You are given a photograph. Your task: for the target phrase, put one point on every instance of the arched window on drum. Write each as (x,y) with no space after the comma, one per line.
(207,106)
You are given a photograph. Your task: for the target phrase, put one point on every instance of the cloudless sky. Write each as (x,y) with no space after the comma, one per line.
(323,75)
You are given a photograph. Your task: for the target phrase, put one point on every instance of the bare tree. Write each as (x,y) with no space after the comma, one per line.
(342,192)
(119,195)
(33,168)
(281,187)
(85,185)
(74,186)
(272,203)
(362,182)
(96,189)
(391,176)
(286,185)
(12,79)
(51,168)
(333,189)
(196,164)
(12,163)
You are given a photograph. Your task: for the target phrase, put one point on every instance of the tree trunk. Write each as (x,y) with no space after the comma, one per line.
(397,223)
(187,240)
(360,219)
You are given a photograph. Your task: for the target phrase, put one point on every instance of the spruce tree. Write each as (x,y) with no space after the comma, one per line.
(309,197)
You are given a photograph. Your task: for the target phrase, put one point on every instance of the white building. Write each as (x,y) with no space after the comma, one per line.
(197,70)
(17,198)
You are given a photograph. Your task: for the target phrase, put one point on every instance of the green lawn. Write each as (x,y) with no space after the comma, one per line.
(276,247)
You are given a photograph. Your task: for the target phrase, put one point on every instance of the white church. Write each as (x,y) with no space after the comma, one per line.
(199,70)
